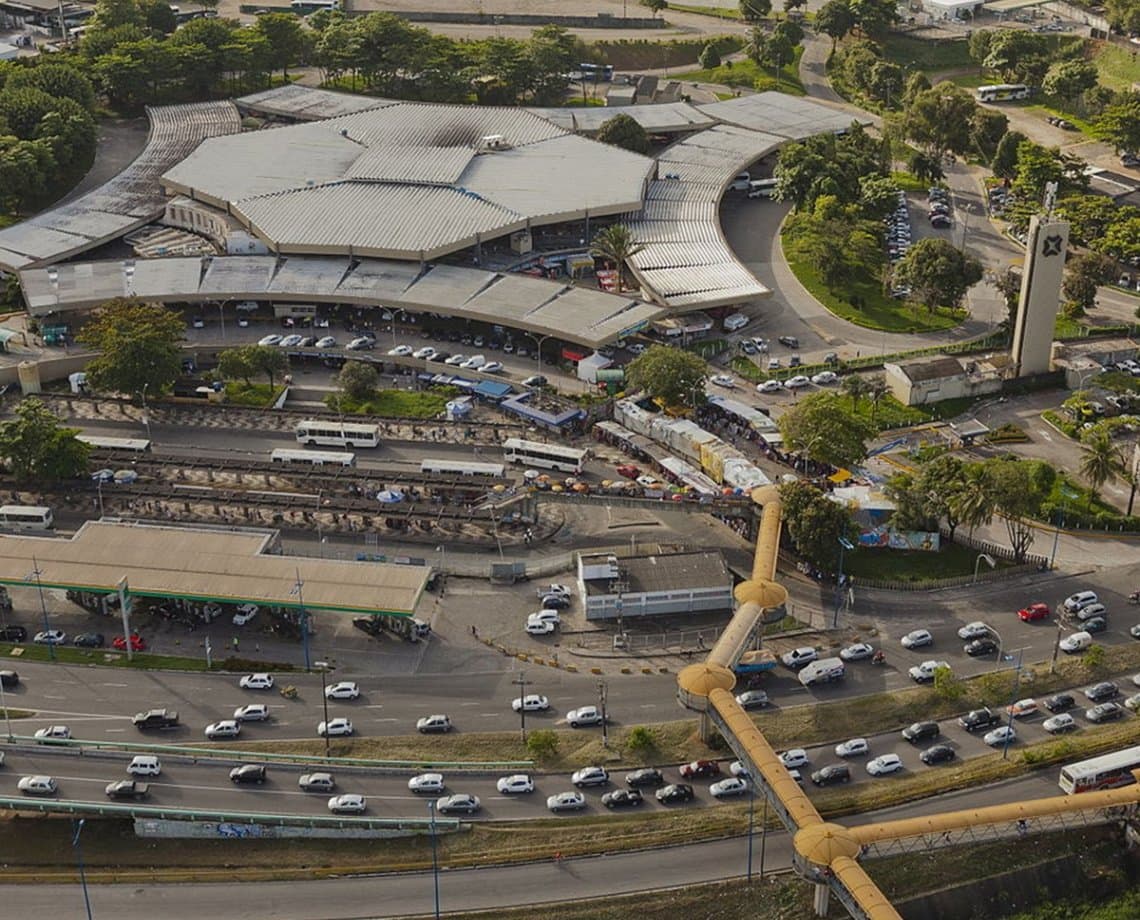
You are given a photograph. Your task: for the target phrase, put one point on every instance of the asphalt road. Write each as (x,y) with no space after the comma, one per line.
(407,894)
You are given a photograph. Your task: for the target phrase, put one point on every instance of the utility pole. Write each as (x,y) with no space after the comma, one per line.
(602,692)
(522,683)
(325,703)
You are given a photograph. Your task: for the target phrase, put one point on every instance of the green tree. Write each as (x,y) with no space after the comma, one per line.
(1020,486)
(542,744)
(655,6)
(357,380)
(1101,461)
(158,16)
(38,448)
(915,507)
(878,196)
(670,374)
(1070,79)
(710,57)
(1123,15)
(855,386)
(640,742)
(939,119)
(269,361)
(937,273)
(974,500)
(138,345)
(1120,124)
(840,247)
(1008,283)
(925,167)
(987,129)
(622,131)
(237,364)
(57,79)
(815,523)
(616,245)
(822,428)
(979,43)
(874,18)
(1004,163)
(773,51)
(947,686)
(755,10)
(834,20)
(791,5)
(877,390)
(1089,216)
(285,36)
(1121,238)
(1084,273)
(790,30)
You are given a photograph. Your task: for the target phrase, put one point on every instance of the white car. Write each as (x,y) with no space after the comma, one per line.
(824,378)
(468,804)
(37,785)
(426,782)
(547,616)
(454,360)
(326,341)
(796,757)
(974,630)
(1000,735)
(316,782)
(555,589)
(256,682)
(343,690)
(585,715)
(50,637)
(538,627)
(635,348)
(362,343)
(723,380)
(53,733)
(1056,725)
(474,362)
(226,728)
(245,613)
(917,638)
(737,768)
(335,728)
(268,340)
(590,776)
(857,652)
(1080,600)
(427,353)
(400,351)
(770,386)
(566,801)
(532,702)
(290,341)
(798,657)
(1076,642)
(435,723)
(924,673)
(144,765)
(492,367)
(728,787)
(797,382)
(884,765)
(251,712)
(856,747)
(516,784)
(348,804)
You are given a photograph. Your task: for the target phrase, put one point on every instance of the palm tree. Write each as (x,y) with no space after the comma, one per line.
(973,500)
(855,387)
(876,389)
(1100,462)
(616,244)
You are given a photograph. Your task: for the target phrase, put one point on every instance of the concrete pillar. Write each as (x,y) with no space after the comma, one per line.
(821,899)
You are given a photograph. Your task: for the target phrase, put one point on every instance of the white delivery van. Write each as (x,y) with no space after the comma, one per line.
(742,182)
(735,321)
(824,671)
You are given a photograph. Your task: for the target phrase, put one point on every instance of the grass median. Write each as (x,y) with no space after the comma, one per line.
(142,661)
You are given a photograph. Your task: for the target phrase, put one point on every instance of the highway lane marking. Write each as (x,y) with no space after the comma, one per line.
(55,697)
(116,685)
(387,720)
(111,731)
(81,715)
(374,706)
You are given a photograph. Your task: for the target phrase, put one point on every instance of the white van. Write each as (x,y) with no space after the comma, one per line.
(144,765)
(824,671)
(1076,642)
(735,321)
(1080,600)
(761,188)
(742,182)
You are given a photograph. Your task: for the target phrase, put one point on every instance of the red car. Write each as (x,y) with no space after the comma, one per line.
(700,768)
(1034,612)
(138,643)
(628,470)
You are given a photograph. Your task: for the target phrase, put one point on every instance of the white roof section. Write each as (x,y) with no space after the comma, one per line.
(789,117)
(584,316)
(410,181)
(667,118)
(126,202)
(306,103)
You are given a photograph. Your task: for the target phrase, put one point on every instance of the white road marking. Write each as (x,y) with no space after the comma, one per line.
(374,706)
(114,685)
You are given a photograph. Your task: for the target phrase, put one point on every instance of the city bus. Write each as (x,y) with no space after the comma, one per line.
(133,445)
(1001,92)
(1105,772)
(461,467)
(337,434)
(548,456)
(26,517)
(312,458)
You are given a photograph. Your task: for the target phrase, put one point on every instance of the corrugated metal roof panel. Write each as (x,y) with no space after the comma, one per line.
(778,113)
(438,165)
(307,103)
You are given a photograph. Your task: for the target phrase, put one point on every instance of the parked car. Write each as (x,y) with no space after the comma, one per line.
(646,776)
(138,643)
(1104,712)
(517,784)
(1062,722)
(13,634)
(793,758)
(1003,734)
(1059,702)
(978,647)
(1080,600)
(1099,692)
(798,657)
(975,630)
(566,801)
(979,719)
(1022,708)
(316,782)
(89,640)
(622,798)
(924,673)
(884,765)
(921,731)
(674,793)
(857,652)
(254,773)
(50,637)
(1034,612)
(917,638)
(832,774)
(699,769)
(855,747)
(435,724)
(938,753)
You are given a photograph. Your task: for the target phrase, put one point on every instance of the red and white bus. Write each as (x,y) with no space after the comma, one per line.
(1105,772)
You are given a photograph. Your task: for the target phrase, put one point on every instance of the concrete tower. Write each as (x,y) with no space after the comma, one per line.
(1040,291)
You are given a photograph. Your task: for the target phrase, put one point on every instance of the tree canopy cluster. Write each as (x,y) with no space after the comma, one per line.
(47,130)
(824,428)
(1031,168)
(38,448)
(815,523)
(673,375)
(248,361)
(138,347)
(937,273)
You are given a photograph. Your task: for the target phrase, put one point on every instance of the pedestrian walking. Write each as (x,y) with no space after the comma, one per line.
(235,643)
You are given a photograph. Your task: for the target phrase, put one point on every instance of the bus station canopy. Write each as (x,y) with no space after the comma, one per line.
(197,563)
(1012,6)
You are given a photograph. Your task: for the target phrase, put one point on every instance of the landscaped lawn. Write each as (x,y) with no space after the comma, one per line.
(930,57)
(1118,67)
(259,395)
(749,74)
(394,404)
(949,562)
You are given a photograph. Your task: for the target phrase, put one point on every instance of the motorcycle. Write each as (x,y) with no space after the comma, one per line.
(1134,597)
(878,658)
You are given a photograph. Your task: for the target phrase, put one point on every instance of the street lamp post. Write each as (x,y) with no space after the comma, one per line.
(43,604)
(7,714)
(434,857)
(325,704)
(538,340)
(603,691)
(1057,645)
(1066,494)
(1013,699)
(844,545)
(77,846)
(146,410)
(751,816)
(298,589)
(990,561)
(522,683)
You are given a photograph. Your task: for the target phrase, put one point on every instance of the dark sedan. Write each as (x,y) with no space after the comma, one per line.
(940,753)
(981,647)
(620,798)
(248,773)
(647,776)
(90,640)
(1060,702)
(1105,690)
(674,793)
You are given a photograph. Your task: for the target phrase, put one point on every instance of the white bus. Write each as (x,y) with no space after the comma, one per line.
(761,188)
(461,467)
(1001,92)
(26,517)
(312,458)
(134,445)
(549,456)
(1105,772)
(337,434)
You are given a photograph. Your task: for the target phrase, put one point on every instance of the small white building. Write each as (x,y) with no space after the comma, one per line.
(933,379)
(589,366)
(952,9)
(653,585)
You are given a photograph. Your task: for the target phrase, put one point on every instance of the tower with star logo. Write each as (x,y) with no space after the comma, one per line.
(1040,297)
